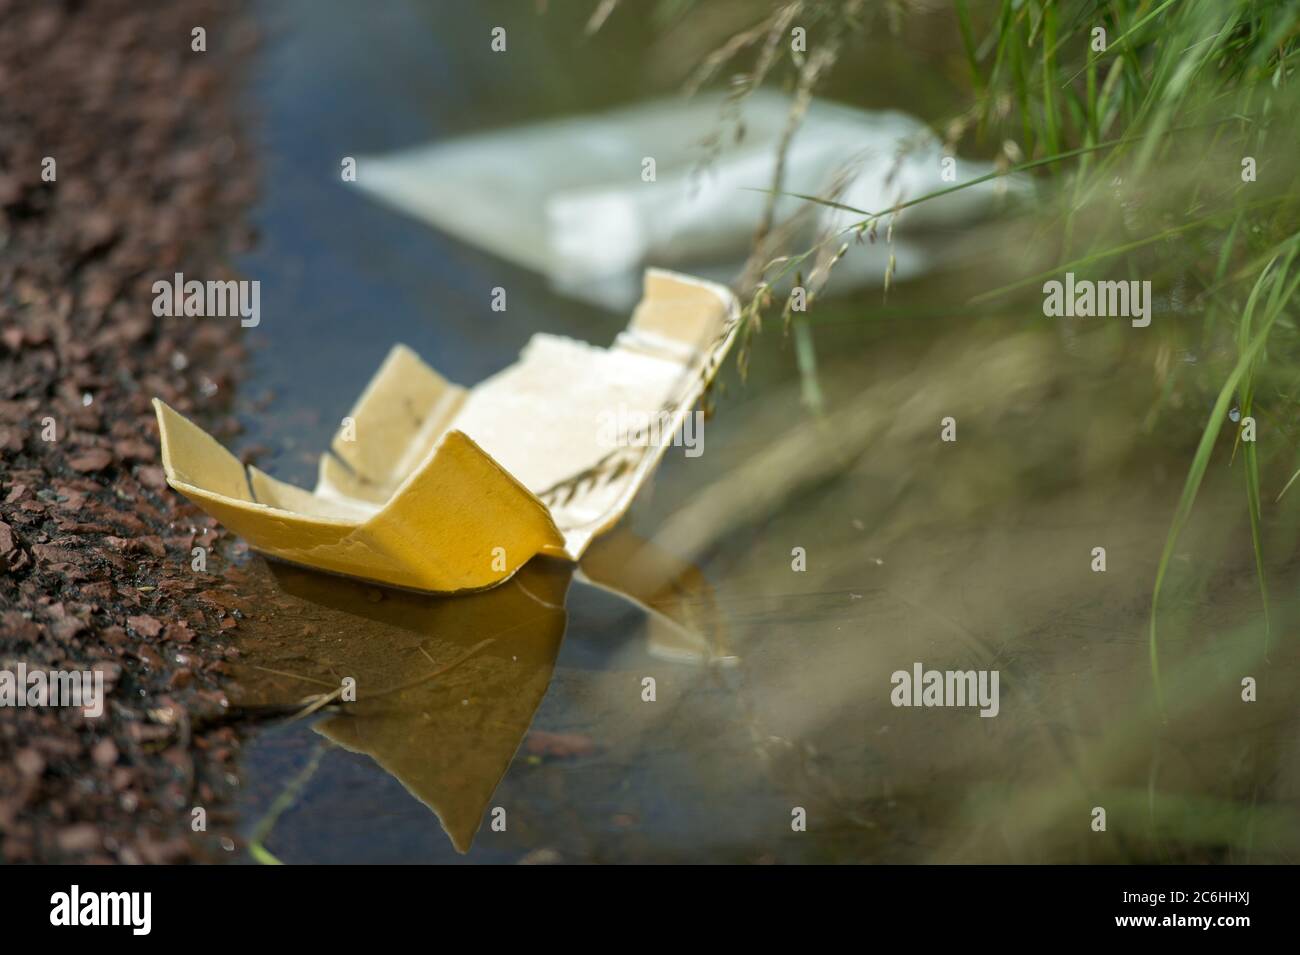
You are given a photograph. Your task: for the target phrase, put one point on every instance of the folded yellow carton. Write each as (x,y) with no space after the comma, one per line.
(436,487)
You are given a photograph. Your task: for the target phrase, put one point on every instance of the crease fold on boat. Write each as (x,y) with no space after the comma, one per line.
(436,487)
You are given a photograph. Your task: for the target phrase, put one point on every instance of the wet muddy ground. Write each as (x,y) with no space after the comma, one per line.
(120,159)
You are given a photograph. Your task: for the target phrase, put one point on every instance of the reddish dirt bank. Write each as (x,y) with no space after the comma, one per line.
(95,550)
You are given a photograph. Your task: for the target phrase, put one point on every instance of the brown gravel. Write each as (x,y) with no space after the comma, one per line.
(95,551)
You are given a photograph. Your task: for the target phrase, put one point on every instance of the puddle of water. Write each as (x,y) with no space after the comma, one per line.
(772,685)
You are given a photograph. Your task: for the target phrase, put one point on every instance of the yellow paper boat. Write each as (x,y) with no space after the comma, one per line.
(436,487)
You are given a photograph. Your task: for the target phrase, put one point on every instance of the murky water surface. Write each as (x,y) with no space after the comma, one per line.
(514,724)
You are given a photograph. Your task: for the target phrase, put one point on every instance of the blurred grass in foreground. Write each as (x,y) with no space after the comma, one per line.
(1160,139)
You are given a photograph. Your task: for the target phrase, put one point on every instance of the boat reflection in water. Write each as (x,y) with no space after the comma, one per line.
(446,687)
